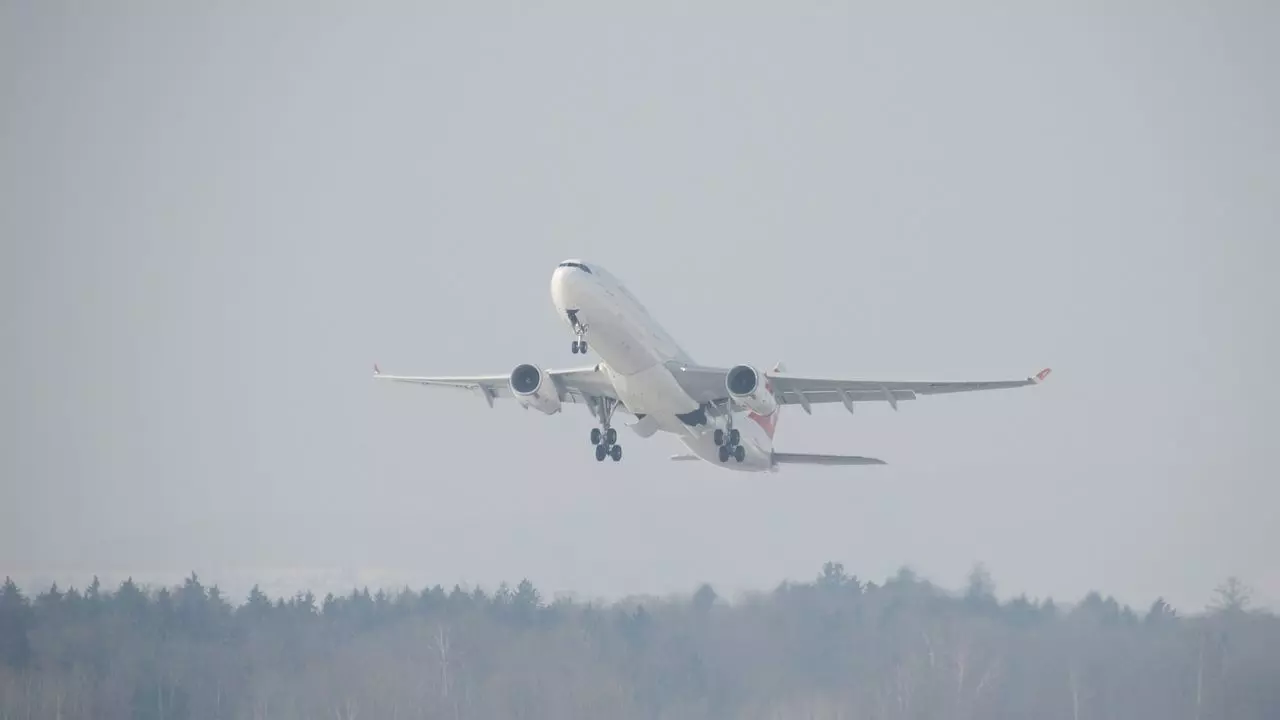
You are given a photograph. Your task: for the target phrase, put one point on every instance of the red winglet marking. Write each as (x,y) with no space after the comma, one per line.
(1042,375)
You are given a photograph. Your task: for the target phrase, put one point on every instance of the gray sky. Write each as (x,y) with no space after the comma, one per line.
(214,219)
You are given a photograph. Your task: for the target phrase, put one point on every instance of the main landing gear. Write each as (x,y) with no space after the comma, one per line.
(579,345)
(605,438)
(729,444)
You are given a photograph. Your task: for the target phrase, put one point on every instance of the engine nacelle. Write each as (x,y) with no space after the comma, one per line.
(747,388)
(533,388)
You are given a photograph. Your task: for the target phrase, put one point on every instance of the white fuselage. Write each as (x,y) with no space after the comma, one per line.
(635,351)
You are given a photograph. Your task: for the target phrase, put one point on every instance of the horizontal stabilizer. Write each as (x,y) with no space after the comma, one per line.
(806,459)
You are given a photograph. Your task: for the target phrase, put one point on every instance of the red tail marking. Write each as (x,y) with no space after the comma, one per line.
(768,422)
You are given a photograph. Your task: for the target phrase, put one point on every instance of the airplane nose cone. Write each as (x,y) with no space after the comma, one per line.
(562,282)
(569,286)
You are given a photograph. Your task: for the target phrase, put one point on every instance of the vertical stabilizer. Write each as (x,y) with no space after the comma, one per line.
(772,426)
(768,422)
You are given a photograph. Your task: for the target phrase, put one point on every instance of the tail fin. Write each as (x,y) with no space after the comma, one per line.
(772,426)
(769,422)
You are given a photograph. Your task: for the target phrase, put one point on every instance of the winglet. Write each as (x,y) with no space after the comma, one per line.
(376,371)
(1040,376)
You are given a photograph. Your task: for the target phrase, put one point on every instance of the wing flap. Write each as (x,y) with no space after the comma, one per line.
(872,390)
(707,385)
(490,386)
(577,385)
(792,396)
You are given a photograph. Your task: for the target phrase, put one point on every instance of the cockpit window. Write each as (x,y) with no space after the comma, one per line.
(580,266)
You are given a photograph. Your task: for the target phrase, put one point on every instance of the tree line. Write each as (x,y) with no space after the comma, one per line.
(833,647)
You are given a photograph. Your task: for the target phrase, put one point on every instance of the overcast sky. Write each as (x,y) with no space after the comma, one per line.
(215,218)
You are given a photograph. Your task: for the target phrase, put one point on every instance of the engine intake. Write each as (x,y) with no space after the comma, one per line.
(744,386)
(533,388)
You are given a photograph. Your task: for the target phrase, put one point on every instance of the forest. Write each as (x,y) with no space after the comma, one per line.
(832,647)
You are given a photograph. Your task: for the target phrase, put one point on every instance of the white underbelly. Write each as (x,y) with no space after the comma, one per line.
(619,343)
(652,391)
(657,395)
(755,441)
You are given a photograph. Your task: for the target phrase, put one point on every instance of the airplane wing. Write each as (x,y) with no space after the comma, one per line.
(577,385)
(706,384)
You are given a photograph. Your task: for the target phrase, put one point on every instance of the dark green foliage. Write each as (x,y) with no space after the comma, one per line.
(15,624)
(834,647)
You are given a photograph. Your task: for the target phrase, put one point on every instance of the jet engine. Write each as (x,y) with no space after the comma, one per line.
(533,388)
(745,386)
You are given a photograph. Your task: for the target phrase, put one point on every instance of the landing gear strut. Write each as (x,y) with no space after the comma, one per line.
(605,438)
(579,345)
(729,443)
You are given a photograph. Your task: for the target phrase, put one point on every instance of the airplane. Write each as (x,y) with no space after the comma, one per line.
(724,416)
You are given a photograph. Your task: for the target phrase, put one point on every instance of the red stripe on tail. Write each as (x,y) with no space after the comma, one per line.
(768,422)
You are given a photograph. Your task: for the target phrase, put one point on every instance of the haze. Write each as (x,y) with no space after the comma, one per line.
(214,220)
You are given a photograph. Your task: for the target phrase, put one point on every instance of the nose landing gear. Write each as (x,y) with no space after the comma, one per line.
(580,329)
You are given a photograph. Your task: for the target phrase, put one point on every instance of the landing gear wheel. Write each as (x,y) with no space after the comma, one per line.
(739,452)
(719,436)
(735,437)
(582,346)
(575,347)
(724,453)
(604,437)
